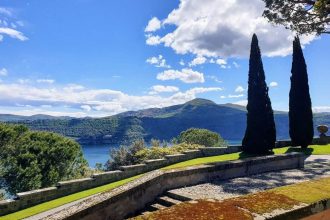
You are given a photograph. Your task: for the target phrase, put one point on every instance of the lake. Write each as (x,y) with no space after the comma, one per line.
(100,153)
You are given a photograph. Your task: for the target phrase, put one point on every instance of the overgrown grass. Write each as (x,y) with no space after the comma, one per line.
(315,150)
(64,200)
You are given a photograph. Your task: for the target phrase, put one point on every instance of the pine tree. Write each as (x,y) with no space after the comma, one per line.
(300,106)
(260,134)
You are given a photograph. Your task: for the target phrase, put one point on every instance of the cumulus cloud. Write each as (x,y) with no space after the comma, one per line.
(239,89)
(3,72)
(153,40)
(153,25)
(161,89)
(223,28)
(92,101)
(198,61)
(273,84)
(158,61)
(185,75)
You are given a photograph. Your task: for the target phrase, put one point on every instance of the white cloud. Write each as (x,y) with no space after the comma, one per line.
(198,61)
(86,108)
(5,11)
(160,89)
(182,63)
(273,84)
(241,102)
(214,78)
(153,25)
(69,99)
(319,109)
(23,81)
(223,28)
(49,81)
(185,75)
(221,62)
(3,72)
(153,40)
(236,65)
(13,33)
(235,96)
(158,61)
(223,97)
(239,89)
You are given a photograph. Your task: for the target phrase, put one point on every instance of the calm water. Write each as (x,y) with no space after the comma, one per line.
(100,153)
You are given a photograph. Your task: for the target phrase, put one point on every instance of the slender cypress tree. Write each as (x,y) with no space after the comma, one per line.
(260,134)
(300,106)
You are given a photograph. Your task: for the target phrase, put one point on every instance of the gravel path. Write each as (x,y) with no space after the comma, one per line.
(315,167)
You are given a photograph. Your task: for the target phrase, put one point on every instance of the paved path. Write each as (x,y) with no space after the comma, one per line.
(315,167)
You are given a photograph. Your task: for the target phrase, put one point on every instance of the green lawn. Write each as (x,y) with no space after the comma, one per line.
(315,150)
(64,200)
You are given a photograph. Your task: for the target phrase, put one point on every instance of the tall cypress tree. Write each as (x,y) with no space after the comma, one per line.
(260,134)
(300,106)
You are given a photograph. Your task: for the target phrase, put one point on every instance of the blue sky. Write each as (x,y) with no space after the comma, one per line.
(88,58)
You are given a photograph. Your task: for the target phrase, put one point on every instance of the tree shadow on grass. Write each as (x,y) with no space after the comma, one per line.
(306,151)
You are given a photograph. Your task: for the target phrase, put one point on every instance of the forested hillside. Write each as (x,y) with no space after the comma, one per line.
(159,123)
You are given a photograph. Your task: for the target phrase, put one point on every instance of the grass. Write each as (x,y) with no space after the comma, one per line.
(64,200)
(243,207)
(315,150)
(316,190)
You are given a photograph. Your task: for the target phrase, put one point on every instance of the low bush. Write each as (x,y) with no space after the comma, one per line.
(138,152)
(203,137)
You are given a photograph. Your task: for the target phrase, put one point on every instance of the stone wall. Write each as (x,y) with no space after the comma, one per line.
(27,199)
(137,195)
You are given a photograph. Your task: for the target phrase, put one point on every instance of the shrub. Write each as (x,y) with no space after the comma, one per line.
(203,137)
(31,160)
(138,153)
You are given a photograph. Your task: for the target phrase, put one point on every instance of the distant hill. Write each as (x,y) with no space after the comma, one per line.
(160,123)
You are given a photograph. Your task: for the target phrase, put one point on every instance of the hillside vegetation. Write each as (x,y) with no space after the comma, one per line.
(157,123)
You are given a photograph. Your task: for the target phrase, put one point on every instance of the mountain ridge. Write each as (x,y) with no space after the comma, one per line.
(159,123)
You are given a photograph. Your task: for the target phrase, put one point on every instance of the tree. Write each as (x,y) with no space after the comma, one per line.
(260,134)
(31,160)
(302,16)
(300,106)
(203,137)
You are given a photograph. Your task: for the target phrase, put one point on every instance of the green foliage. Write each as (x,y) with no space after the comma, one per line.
(300,106)
(303,16)
(32,160)
(138,152)
(203,137)
(260,134)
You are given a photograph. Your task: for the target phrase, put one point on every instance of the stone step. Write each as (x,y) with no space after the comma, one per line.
(158,206)
(167,201)
(177,196)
